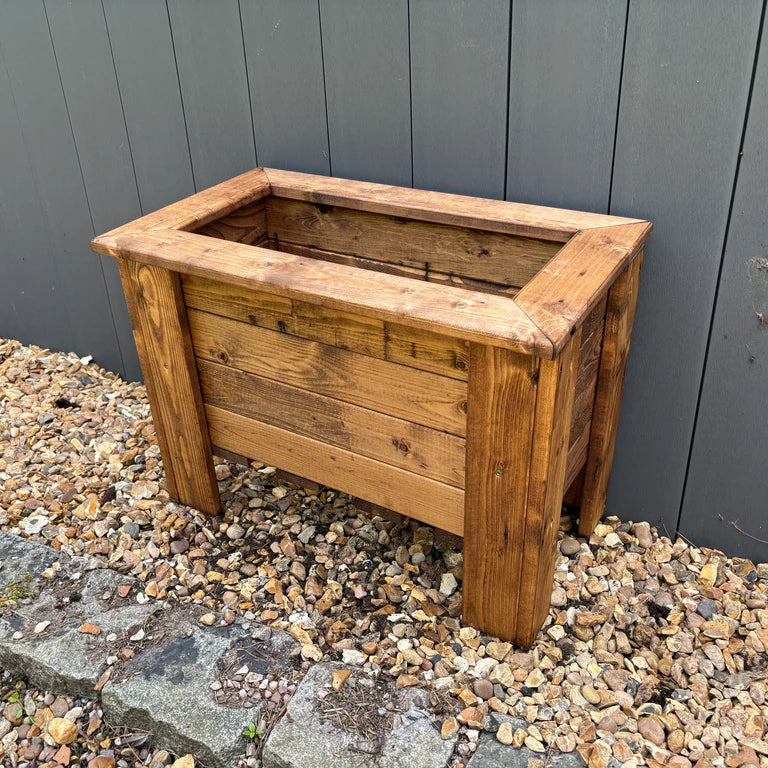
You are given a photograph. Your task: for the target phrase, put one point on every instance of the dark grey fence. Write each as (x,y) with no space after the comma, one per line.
(650,108)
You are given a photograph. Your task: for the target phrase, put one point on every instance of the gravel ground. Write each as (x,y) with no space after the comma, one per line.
(652,653)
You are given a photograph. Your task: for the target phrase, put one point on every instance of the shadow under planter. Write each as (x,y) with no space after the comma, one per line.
(454,359)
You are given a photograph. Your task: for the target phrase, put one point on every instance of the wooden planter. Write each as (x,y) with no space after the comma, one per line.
(457,360)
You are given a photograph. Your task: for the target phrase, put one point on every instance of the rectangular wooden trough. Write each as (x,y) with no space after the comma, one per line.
(454,359)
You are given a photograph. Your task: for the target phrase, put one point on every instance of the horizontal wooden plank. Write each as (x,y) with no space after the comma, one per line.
(426,273)
(199,209)
(490,256)
(394,441)
(418,396)
(439,207)
(428,351)
(278,313)
(562,294)
(405,492)
(243,225)
(470,315)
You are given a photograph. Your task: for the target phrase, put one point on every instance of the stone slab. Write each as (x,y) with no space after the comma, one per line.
(20,557)
(302,740)
(61,658)
(168,691)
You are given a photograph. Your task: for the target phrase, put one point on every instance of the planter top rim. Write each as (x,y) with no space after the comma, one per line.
(539,320)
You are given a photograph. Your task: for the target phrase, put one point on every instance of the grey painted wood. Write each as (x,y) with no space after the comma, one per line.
(208,42)
(459,63)
(26,255)
(285,69)
(684,94)
(727,480)
(367,85)
(84,58)
(564,90)
(141,42)
(79,310)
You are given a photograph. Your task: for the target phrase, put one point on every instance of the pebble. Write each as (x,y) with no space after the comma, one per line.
(651,729)
(570,547)
(505,733)
(62,731)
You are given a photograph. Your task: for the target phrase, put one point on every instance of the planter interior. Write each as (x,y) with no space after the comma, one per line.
(456,360)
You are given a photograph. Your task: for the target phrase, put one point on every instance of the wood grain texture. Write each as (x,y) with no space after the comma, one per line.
(517,437)
(163,342)
(488,256)
(417,497)
(452,311)
(400,443)
(565,291)
(439,207)
(428,351)
(426,272)
(619,316)
(424,398)
(244,225)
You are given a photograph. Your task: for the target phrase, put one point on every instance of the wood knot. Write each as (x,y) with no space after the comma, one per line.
(500,469)
(401,446)
(222,355)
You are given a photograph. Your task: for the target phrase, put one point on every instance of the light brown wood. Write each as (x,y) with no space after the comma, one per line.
(586,384)
(199,209)
(470,315)
(244,225)
(474,253)
(393,441)
(417,396)
(427,273)
(297,318)
(405,492)
(566,290)
(438,207)
(428,351)
(162,338)
(620,313)
(517,437)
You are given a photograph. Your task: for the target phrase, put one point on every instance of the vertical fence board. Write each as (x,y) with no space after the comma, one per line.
(367,82)
(459,63)
(80,40)
(285,70)
(727,480)
(149,88)
(28,299)
(564,87)
(208,42)
(684,93)
(79,307)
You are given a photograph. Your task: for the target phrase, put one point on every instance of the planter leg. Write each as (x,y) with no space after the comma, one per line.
(518,423)
(619,315)
(159,320)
